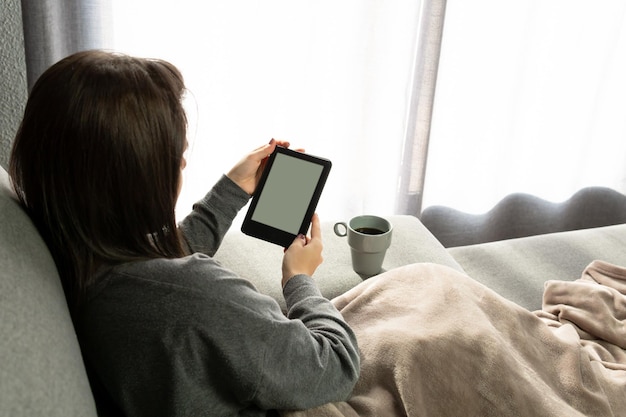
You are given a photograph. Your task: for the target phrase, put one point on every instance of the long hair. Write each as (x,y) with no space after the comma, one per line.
(96,162)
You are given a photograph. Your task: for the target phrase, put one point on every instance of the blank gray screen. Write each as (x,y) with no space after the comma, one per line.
(287,193)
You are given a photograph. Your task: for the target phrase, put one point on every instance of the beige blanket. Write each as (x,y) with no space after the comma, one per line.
(436,343)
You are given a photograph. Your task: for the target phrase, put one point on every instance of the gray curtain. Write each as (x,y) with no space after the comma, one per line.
(54,29)
(13,88)
(415,153)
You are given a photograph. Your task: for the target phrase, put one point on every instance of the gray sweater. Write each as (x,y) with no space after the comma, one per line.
(187,337)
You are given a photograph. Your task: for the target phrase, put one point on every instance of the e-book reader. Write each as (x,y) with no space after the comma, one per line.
(286,197)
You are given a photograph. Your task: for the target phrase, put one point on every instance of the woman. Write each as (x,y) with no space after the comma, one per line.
(164,329)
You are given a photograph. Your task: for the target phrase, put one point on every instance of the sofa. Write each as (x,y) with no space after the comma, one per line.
(41,369)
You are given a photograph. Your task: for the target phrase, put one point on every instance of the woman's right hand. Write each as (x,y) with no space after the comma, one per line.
(304,255)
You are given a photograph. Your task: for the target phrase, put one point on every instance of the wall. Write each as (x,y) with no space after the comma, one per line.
(13,87)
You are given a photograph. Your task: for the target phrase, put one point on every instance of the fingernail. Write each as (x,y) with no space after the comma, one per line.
(301,236)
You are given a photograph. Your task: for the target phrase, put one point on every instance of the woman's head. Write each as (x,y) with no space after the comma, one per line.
(97,161)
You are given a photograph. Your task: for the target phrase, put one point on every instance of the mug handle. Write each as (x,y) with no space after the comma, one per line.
(337,227)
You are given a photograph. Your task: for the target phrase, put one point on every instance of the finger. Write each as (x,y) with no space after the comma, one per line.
(265,145)
(264,151)
(300,241)
(315,227)
(283,143)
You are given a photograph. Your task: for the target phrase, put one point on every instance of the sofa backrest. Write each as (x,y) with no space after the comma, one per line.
(41,368)
(520,215)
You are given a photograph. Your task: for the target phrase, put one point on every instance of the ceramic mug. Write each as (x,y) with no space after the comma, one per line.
(369,237)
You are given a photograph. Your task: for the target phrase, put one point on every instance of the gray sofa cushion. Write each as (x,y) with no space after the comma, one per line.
(518,268)
(42,372)
(260,262)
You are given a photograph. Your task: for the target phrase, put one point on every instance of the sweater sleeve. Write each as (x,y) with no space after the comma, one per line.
(205,227)
(316,358)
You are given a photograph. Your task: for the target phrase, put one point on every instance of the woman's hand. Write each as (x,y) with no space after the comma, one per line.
(305,253)
(246,173)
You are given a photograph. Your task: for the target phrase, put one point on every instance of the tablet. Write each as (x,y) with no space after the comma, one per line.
(286,196)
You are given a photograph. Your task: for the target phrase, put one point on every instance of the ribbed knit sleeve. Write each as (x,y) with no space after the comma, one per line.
(205,227)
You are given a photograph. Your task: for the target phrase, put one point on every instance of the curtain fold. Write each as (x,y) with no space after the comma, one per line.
(54,29)
(415,151)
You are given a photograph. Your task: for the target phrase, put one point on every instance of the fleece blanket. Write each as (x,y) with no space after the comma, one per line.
(434,342)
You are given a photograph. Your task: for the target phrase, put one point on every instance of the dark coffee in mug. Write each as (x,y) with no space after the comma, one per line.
(369,231)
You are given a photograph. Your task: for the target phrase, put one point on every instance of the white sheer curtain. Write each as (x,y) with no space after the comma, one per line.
(531,97)
(332,77)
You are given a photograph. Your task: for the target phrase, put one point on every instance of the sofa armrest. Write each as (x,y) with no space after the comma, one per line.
(42,372)
(518,268)
(260,262)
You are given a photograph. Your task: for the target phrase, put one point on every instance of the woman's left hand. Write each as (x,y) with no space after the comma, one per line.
(246,173)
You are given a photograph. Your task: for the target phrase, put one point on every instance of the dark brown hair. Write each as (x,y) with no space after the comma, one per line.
(97,159)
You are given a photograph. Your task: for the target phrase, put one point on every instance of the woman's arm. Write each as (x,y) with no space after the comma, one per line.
(211,217)
(205,227)
(314,357)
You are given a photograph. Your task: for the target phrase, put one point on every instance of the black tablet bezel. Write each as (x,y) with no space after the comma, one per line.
(268,232)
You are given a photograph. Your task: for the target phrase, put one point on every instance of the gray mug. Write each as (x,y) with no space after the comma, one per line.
(369,237)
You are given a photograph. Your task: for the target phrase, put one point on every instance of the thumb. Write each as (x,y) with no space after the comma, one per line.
(265,151)
(299,241)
